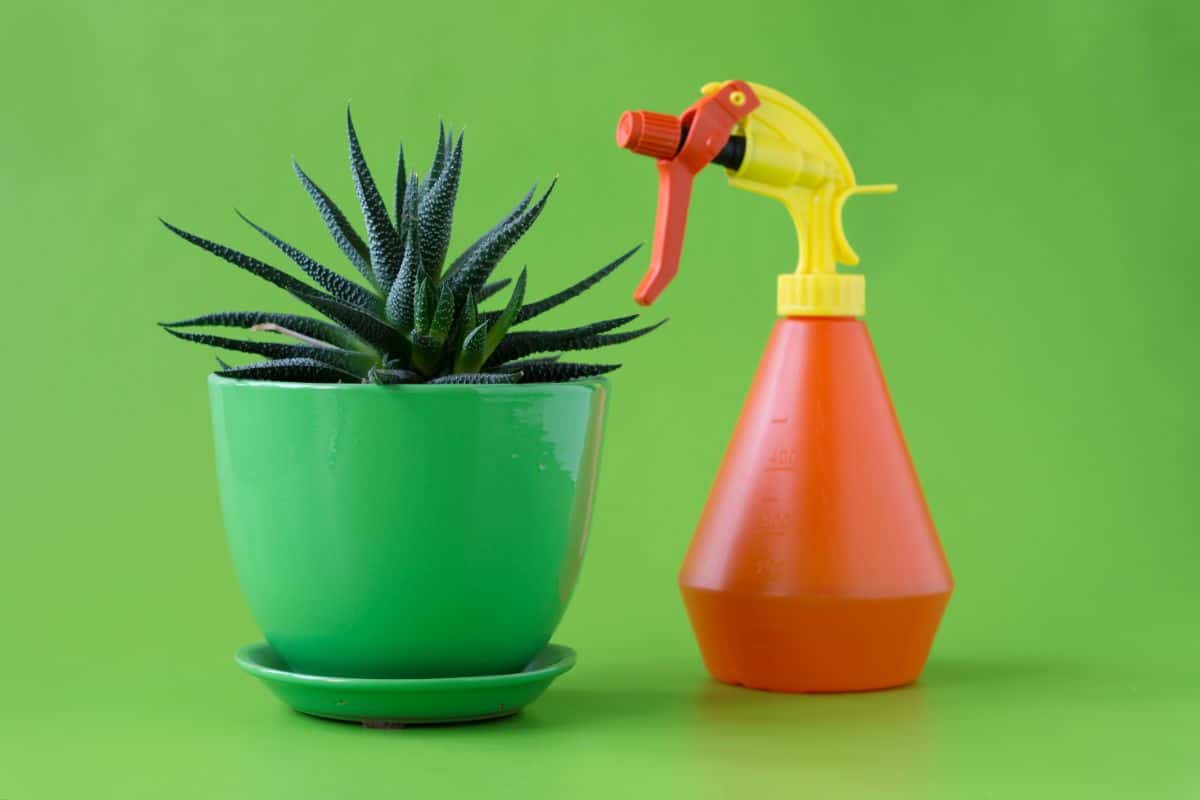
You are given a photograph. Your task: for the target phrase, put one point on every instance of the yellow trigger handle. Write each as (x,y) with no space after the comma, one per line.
(792,157)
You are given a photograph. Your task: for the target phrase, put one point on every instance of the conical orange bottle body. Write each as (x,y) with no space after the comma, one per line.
(816,566)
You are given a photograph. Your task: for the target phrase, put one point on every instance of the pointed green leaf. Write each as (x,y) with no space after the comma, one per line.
(479,377)
(519,344)
(517,366)
(239,259)
(466,317)
(412,197)
(313,329)
(516,211)
(344,290)
(490,289)
(382,240)
(439,157)
(475,271)
(351,361)
(470,357)
(400,297)
(563,371)
(343,233)
(585,337)
(367,327)
(443,315)
(470,312)
(435,215)
(386,377)
(401,181)
(498,328)
(299,370)
(541,306)
(426,353)
(424,305)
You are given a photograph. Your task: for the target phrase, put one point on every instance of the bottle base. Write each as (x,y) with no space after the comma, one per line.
(814,644)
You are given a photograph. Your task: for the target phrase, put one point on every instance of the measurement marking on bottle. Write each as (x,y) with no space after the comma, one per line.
(783,459)
(778,420)
(768,568)
(775,520)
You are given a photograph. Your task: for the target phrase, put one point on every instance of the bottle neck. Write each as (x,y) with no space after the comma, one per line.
(821,294)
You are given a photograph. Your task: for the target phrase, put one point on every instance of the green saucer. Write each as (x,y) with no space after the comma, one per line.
(391,702)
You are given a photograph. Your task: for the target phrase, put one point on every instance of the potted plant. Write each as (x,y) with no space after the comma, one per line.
(407,483)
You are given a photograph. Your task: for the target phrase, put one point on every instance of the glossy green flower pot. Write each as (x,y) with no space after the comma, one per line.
(407,531)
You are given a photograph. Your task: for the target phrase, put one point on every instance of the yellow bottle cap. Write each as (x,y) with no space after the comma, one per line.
(822,295)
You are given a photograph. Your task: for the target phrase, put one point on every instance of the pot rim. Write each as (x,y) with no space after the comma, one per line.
(585,384)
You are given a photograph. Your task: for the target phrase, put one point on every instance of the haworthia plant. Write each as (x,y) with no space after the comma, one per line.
(417,318)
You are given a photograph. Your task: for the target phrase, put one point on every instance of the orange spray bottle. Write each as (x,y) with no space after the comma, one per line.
(815,566)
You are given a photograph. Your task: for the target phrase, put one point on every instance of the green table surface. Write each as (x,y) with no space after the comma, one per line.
(637,717)
(1031,291)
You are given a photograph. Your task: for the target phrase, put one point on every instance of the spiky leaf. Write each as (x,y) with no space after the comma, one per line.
(479,377)
(343,233)
(382,240)
(594,341)
(401,181)
(243,261)
(426,353)
(563,371)
(499,327)
(470,312)
(475,271)
(517,366)
(443,315)
(303,370)
(541,306)
(314,330)
(408,219)
(344,290)
(470,357)
(466,319)
(524,343)
(516,211)
(367,327)
(435,215)
(400,297)
(439,156)
(423,305)
(352,361)
(385,376)
(491,289)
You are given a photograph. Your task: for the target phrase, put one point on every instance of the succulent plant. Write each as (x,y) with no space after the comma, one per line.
(412,318)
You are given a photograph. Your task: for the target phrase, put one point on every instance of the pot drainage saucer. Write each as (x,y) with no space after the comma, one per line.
(393,702)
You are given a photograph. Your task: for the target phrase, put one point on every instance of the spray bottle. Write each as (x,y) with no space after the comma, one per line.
(815,566)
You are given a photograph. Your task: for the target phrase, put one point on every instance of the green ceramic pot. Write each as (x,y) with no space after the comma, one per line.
(407,531)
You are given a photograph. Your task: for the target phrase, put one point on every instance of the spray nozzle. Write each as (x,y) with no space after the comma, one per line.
(649,133)
(770,145)
(683,145)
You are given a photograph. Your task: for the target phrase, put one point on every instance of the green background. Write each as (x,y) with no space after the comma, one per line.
(1032,297)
